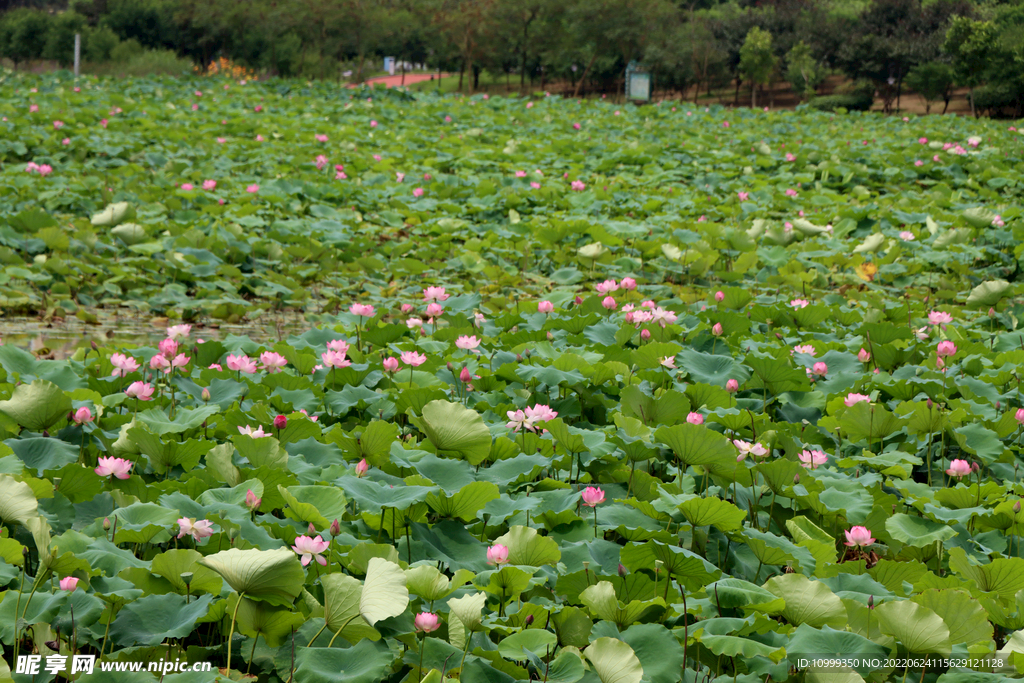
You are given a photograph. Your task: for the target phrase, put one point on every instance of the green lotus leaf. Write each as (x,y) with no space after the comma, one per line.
(918,629)
(614,661)
(274,576)
(452,427)
(385,593)
(37,406)
(342,596)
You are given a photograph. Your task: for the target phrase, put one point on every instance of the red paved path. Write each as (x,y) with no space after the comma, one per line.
(392,81)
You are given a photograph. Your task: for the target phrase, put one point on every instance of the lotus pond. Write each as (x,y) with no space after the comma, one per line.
(494,390)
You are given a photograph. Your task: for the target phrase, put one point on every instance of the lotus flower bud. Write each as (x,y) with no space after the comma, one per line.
(578,300)
(335,528)
(451,368)
(526,352)
(465,375)
(280,422)
(796,479)
(1016,507)
(871,602)
(622,570)
(930,404)
(645,334)
(991,312)
(312,529)
(106,523)
(205,395)
(94,347)
(529,620)
(519,358)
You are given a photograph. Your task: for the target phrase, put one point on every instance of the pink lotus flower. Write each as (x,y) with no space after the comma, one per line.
(33,108)
(628,283)
(82,416)
(853,399)
(743,196)
(716,329)
(520,174)
(123,365)
(435,294)
(790,157)
(535,185)
(399,177)
(819,369)
(310,548)
(114,467)
(791,192)
(241,364)
(539,413)
(945,349)
(362,467)
(918,162)
(320,162)
(959,469)
(339,345)
(577,186)
(413,358)
(497,554)
(426,622)
(858,536)
(467,343)
(272,361)
(414,322)
(465,376)
(103,122)
(606,287)
(576,126)
(251,501)
(746,448)
(939,318)
(907,236)
(863,356)
(732,386)
(186,186)
(281,422)
(804,348)
(373,124)
(168,347)
(68,583)
(140,391)
(811,459)
(66,141)
(32,167)
(1019,415)
(529,105)
(320,137)
(260,138)
(390,364)
(362,310)
(221,141)
(545,307)
(434,310)
(609,303)
(253,189)
(592,496)
(45,170)
(179,332)
(923,141)
(335,359)
(668,362)
(516,420)
(695,418)
(198,530)
(417,192)
(719,296)
(257,433)
(799,303)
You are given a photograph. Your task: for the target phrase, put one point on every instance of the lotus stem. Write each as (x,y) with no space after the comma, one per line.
(231,631)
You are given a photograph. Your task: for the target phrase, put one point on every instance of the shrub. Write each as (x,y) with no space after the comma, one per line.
(125,51)
(100,43)
(60,39)
(847,102)
(933,81)
(143,63)
(24,34)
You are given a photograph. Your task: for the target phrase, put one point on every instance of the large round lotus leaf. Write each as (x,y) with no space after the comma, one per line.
(825,642)
(453,427)
(130,233)
(113,214)
(384,591)
(614,661)
(17,502)
(256,618)
(37,406)
(341,608)
(274,576)
(988,293)
(527,547)
(362,663)
(535,640)
(808,602)
(978,217)
(156,618)
(918,629)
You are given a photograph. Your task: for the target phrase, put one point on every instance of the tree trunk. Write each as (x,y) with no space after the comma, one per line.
(945,101)
(579,85)
(899,91)
(970,96)
(462,70)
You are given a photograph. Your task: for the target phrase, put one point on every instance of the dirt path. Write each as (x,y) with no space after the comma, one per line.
(396,80)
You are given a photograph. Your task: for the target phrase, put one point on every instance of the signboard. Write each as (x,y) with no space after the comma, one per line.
(389,65)
(638,83)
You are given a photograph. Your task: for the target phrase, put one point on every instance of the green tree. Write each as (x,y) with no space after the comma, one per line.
(60,39)
(802,70)
(969,44)
(24,34)
(757,61)
(933,81)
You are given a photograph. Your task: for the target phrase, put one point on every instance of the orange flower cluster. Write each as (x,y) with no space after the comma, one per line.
(225,67)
